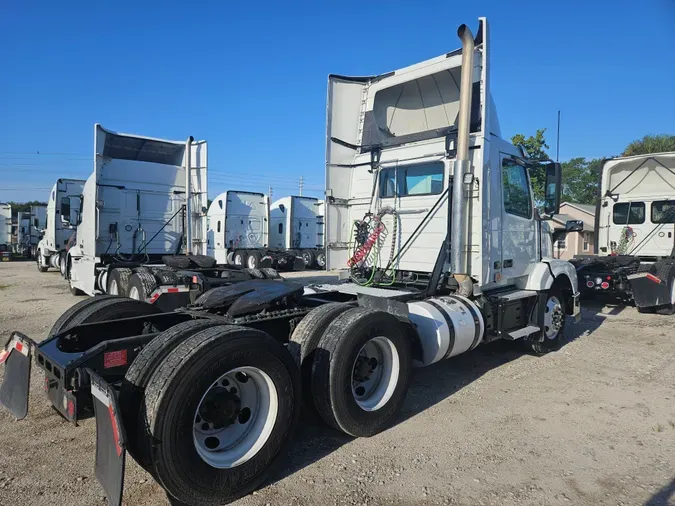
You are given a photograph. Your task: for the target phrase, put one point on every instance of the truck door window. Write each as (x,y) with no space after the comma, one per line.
(422,179)
(516,189)
(629,213)
(663,211)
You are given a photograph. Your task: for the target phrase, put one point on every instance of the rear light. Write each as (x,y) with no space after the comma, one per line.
(115,359)
(604,285)
(598,281)
(653,278)
(590,284)
(172,290)
(609,278)
(19,346)
(195,280)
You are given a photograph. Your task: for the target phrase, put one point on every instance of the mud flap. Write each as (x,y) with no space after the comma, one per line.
(16,384)
(110,439)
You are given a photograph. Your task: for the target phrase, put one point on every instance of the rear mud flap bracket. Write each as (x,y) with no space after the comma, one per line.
(110,439)
(16,385)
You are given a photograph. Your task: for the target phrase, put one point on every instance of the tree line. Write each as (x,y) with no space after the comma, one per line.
(24,207)
(580,175)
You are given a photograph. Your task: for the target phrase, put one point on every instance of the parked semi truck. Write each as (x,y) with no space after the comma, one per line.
(5,227)
(62,213)
(241,233)
(635,233)
(296,224)
(30,226)
(206,397)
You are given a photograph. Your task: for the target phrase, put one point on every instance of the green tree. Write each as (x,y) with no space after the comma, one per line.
(25,206)
(651,144)
(580,180)
(535,146)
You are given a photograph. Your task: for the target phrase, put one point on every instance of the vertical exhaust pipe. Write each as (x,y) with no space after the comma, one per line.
(459,236)
(188,196)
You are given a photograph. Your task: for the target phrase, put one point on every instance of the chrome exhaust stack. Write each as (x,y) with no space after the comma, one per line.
(459,235)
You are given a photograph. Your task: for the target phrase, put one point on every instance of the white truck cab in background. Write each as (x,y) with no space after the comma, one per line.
(30,226)
(145,199)
(296,224)
(63,209)
(5,227)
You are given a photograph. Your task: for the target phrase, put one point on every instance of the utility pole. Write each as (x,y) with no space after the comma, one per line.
(557,142)
(269,192)
(301,185)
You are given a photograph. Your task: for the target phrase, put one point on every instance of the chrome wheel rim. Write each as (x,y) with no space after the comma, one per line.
(113,289)
(134,293)
(375,373)
(553,317)
(251,262)
(237,260)
(235,417)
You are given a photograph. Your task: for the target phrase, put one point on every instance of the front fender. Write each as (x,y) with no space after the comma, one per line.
(547,271)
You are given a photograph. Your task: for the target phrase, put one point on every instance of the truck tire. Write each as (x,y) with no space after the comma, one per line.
(101,308)
(240,257)
(270,273)
(166,277)
(255,273)
(321,260)
(141,285)
(136,380)
(226,385)
(554,324)
(308,257)
(118,281)
(254,259)
(361,371)
(305,338)
(41,262)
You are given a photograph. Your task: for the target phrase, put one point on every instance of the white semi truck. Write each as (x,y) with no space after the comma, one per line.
(5,227)
(296,224)
(30,226)
(635,233)
(62,212)
(244,231)
(206,397)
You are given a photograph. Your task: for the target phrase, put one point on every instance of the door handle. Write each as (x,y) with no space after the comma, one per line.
(508,263)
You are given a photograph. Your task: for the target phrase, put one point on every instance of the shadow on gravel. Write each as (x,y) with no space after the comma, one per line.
(663,497)
(428,387)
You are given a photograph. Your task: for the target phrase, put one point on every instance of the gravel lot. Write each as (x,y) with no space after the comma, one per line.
(591,424)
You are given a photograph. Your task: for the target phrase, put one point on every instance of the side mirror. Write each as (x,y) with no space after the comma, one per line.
(574,226)
(65,210)
(552,188)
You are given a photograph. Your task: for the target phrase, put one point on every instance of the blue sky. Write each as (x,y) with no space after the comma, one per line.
(250,77)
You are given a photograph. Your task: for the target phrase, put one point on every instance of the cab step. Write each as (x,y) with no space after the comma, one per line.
(520,333)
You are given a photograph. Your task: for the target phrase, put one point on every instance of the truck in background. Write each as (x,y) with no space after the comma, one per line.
(63,208)
(30,226)
(296,224)
(634,257)
(239,233)
(5,231)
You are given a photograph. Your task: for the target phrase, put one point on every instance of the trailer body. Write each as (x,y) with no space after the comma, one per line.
(445,252)
(635,228)
(62,212)
(29,229)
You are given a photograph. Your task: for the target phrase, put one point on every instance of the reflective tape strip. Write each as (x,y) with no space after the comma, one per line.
(100,395)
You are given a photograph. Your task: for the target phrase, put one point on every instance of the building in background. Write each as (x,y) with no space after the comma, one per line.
(575,244)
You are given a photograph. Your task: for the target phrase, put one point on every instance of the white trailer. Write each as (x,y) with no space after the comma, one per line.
(296,224)
(221,382)
(635,233)
(240,233)
(62,213)
(5,227)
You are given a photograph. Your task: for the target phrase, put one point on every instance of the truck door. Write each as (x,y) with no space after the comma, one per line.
(663,221)
(519,250)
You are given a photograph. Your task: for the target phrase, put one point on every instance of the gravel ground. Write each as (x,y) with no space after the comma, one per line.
(591,424)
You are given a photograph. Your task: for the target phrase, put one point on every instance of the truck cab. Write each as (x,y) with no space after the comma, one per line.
(392,157)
